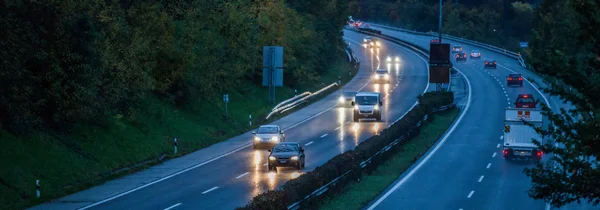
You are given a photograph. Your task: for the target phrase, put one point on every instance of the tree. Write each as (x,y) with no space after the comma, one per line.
(567,50)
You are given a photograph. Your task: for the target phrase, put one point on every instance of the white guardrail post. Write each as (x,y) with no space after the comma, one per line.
(296,100)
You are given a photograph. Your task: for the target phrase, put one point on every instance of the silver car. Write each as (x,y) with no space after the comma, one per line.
(267,135)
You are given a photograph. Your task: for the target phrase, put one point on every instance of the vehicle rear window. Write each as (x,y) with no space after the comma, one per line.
(525,100)
(366,100)
(267,130)
(381,71)
(285,148)
(515,75)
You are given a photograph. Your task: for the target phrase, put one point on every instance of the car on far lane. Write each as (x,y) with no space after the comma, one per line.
(346,99)
(525,101)
(388,60)
(461,57)
(475,54)
(457,49)
(514,79)
(286,154)
(268,135)
(489,64)
(381,76)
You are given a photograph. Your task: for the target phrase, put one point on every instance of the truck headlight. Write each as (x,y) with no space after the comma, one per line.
(256,138)
(275,138)
(356,107)
(341,99)
(272,158)
(376,107)
(294,158)
(387,76)
(378,44)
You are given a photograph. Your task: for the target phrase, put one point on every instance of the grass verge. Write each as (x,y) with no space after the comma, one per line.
(358,194)
(89,155)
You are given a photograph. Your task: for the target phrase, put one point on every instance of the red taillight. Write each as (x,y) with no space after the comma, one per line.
(494,62)
(505,151)
(540,153)
(509,78)
(520,78)
(486,62)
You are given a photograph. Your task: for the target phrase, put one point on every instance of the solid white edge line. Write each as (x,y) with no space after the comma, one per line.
(416,168)
(211,189)
(244,174)
(480,178)
(173,206)
(488,165)
(471,193)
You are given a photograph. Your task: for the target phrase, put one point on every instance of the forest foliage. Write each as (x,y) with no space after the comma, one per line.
(68,62)
(566,42)
(496,22)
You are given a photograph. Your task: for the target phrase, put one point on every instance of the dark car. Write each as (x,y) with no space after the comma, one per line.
(461,57)
(286,154)
(514,79)
(346,99)
(490,64)
(525,101)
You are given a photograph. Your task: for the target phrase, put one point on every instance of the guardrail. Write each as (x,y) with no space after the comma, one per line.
(366,162)
(296,100)
(508,53)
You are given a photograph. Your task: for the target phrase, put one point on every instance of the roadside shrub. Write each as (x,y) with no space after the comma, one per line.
(297,189)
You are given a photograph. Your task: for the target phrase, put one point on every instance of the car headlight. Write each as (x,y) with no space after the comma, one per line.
(256,138)
(389,59)
(397,59)
(378,44)
(356,107)
(275,138)
(376,107)
(387,76)
(294,158)
(341,99)
(272,158)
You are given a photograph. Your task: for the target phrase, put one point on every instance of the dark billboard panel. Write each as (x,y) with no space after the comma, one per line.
(439,74)
(439,54)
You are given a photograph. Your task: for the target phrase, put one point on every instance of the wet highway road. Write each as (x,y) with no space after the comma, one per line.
(476,176)
(233,180)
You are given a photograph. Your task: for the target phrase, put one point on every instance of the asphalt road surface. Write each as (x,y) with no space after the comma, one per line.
(232,181)
(468,170)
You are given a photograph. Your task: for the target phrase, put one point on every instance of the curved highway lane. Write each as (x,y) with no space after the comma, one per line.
(476,176)
(233,180)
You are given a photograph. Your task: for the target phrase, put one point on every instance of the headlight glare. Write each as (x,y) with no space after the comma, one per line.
(341,99)
(376,107)
(272,158)
(295,158)
(256,138)
(275,138)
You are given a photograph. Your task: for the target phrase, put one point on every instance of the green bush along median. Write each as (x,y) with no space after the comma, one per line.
(348,163)
(358,194)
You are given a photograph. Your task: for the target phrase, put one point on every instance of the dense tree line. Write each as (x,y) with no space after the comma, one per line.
(567,48)
(67,61)
(497,22)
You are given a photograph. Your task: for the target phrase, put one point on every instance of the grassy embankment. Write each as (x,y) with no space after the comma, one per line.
(90,155)
(358,194)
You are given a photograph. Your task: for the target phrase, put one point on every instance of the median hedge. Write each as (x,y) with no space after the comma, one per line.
(297,189)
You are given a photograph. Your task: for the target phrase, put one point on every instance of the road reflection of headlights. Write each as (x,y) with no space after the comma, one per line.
(271,158)
(275,138)
(256,138)
(294,158)
(341,99)
(355,127)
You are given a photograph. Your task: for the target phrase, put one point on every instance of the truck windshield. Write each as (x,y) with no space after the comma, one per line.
(381,71)
(366,100)
(267,130)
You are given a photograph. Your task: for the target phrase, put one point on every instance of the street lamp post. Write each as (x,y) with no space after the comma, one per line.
(440,23)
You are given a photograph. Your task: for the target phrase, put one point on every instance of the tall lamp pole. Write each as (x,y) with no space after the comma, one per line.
(440,23)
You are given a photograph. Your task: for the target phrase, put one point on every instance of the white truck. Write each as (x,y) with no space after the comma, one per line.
(518,136)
